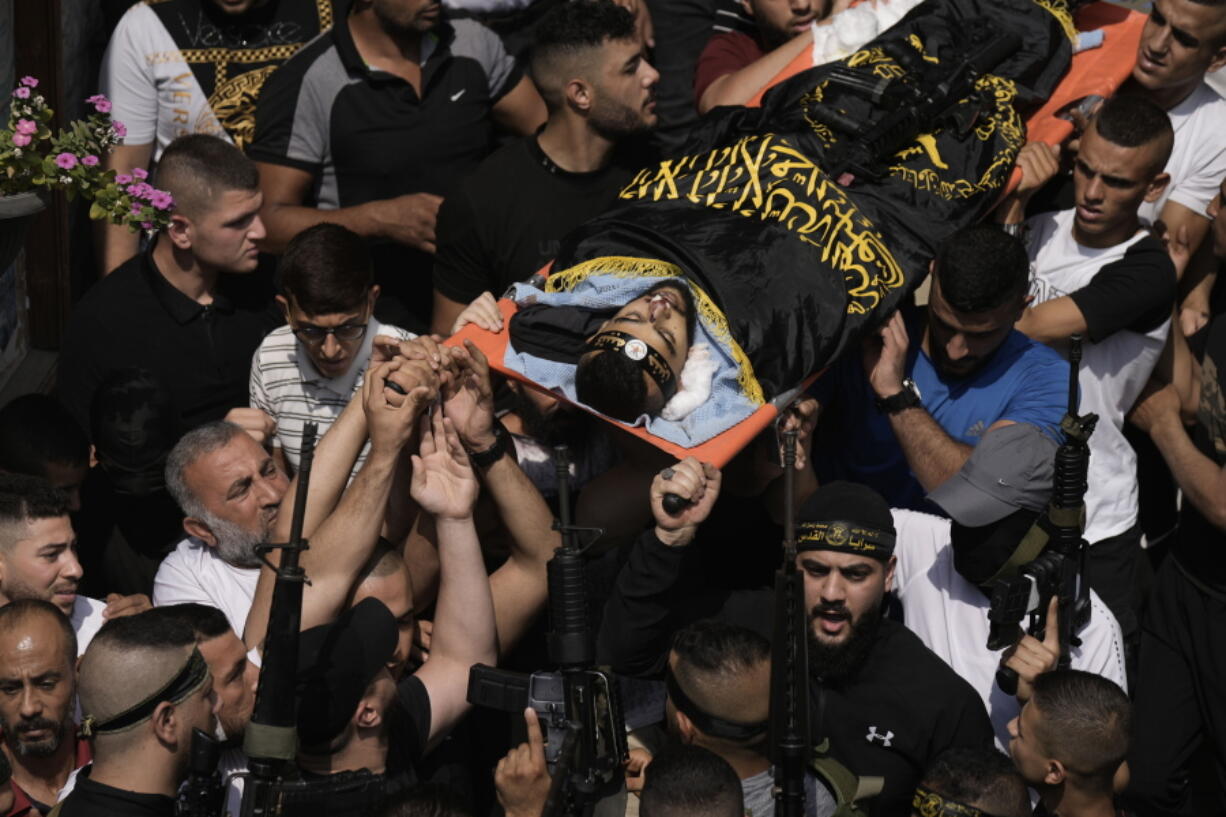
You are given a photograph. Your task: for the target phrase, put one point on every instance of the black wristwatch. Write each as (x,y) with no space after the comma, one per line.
(491,455)
(905,399)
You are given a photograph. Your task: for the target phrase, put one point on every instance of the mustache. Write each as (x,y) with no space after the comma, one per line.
(36,724)
(838,609)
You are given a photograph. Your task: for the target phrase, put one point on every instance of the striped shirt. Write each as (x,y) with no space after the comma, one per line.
(287,386)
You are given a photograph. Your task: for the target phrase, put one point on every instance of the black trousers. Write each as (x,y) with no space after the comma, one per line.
(1180,699)
(1113,576)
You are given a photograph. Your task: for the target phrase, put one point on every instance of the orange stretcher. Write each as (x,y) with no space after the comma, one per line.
(1097,71)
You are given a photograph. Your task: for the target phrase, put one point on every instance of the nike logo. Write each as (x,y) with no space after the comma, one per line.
(458,94)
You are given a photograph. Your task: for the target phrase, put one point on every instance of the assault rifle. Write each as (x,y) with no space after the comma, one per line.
(789,704)
(1051,559)
(579,705)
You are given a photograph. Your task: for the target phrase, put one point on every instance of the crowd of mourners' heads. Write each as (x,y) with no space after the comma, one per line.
(356,183)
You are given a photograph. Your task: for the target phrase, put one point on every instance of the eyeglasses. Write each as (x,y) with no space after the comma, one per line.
(343,333)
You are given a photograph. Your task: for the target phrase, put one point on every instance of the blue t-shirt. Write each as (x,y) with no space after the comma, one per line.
(1024,381)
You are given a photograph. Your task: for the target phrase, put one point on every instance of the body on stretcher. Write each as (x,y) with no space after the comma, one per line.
(1094,72)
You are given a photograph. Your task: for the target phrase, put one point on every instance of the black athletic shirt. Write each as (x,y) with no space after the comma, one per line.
(891,719)
(507,219)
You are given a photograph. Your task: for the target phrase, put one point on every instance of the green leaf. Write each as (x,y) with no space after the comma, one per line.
(96,212)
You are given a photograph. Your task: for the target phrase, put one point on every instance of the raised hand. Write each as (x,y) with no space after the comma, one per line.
(885,356)
(468,399)
(692,480)
(390,414)
(443,481)
(1030,657)
(483,312)
(522,777)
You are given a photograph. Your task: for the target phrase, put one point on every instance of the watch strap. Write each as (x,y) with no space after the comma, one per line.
(905,399)
(491,455)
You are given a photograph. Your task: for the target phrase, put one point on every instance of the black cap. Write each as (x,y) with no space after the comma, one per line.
(846,517)
(336,663)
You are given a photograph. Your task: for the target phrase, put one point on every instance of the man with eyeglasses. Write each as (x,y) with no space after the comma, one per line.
(310,368)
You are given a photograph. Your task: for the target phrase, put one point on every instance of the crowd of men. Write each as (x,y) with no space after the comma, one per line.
(356,180)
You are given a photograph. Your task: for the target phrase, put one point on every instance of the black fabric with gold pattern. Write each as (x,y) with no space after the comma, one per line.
(640,352)
(928,803)
(844,536)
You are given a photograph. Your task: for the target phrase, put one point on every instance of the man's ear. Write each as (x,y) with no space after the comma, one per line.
(93,456)
(283,305)
(165,721)
(374,296)
(685,727)
(1157,185)
(368,715)
(1219,59)
(746,6)
(889,573)
(578,95)
(179,232)
(1055,774)
(201,530)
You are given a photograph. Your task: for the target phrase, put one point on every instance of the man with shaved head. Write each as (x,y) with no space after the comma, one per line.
(967,782)
(188,308)
(38,682)
(143,688)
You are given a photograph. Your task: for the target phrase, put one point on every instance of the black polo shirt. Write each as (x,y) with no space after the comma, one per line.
(202,354)
(91,799)
(366,135)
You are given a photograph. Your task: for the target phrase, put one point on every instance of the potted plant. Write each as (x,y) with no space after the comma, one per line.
(34,162)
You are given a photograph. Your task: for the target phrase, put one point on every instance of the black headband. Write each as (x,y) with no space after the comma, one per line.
(928,803)
(640,352)
(709,724)
(186,681)
(844,536)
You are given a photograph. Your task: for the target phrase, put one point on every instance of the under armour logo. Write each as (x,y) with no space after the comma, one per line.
(873,734)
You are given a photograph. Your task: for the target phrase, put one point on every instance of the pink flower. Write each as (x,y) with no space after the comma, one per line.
(123,178)
(90,161)
(66,161)
(102,106)
(22,92)
(136,208)
(140,173)
(146,225)
(29,82)
(120,130)
(140,190)
(21,140)
(26,126)
(162,200)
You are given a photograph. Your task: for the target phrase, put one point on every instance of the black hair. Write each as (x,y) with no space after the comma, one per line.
(6,770)
(426,800)
(566,35)
(1086,721)
(690,781)
(36,430)
(981,268)
(145,630)
(24,499)
(715,646)
(198,168)
(983,778)
(327,269)
(613,384)
(577,25)
(1131,121)
(206,622)
(21,610)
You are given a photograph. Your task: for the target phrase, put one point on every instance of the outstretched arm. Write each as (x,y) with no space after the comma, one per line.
(344,541)
(464,632)
(519,586)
